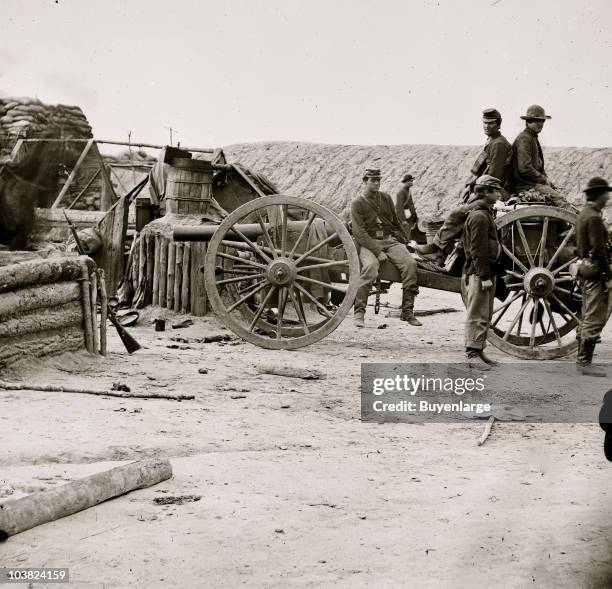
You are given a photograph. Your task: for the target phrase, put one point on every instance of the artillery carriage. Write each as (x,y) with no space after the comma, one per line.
(272,264)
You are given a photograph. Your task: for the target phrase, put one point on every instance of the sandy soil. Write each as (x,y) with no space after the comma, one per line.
(296,490)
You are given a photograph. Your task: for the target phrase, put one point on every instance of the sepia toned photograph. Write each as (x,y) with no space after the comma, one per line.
(306,293)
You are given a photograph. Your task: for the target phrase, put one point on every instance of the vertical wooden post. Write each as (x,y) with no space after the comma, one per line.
(94,312)
(163,270)
(148,299)
(170,287)
(198,288)
(86,302)
(185,279)
(156,270)
(135,263)
(178,276)
(103,310)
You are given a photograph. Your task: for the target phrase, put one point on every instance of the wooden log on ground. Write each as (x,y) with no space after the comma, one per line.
(93,277)
(36,272)
(487,431)
(291,371)
(163,270)
(170,286)
(42,343)
(24,300)
(150,243)
(178,276)
(197,284)
(86,304)
(103,310)
(19,386)
(70,313)
(18,515)
(156,269)
(185,279)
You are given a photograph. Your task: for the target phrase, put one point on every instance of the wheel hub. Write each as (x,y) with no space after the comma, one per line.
(539,282)
(281,272)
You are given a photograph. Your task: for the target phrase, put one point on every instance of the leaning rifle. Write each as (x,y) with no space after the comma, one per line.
(131,345)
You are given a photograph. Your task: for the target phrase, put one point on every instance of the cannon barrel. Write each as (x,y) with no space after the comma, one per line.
(250,230)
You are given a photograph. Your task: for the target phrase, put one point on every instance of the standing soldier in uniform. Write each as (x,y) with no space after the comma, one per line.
(495,160)
(528,160)
(403,203)
(482,248)
(376,230)
(592,242)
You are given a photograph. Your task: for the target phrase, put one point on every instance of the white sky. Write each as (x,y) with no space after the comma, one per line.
(332,71)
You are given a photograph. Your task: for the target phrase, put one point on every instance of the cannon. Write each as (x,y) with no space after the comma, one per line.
(274,264)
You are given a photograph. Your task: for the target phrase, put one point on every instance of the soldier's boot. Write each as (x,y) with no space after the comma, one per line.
(474,359)
(408,309)
(359,318)
(488,360)
(586,349)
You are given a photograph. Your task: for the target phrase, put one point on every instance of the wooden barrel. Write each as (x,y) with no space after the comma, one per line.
(189,187)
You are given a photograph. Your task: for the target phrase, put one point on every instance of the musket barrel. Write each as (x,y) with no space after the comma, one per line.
(206,232)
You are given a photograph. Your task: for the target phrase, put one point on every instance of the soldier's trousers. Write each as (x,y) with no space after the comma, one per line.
(595,309)
(401,259)
(555,197)
(479,306)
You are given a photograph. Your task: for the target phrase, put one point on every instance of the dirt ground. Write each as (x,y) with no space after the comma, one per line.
(294,490)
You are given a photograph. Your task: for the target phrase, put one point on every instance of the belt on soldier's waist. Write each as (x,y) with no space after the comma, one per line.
(380,235)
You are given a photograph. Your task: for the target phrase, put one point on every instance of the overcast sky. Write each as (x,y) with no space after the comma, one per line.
(332,71)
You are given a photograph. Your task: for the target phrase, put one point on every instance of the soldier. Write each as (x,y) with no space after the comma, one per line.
(403,203)
(494,160)
(592,242)
(379,234)
(482,248)
(528,160)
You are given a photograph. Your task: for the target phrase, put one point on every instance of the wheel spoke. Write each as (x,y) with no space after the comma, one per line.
(563,244)
(569,292)
(266,234)
(319,245)
(520,321)
(564,279)
(298,310)
(248,295)
(284,214)
(243,260)
(521,232)
(329,285)
(262,306)
(304,230)
(503,308)
(515,259)
(515,274)
(563,266)
(543,241)
(552,320)
(234,270)
(252,245)
(534,322)
(564,307)
(515,320)
(240,278)
(282,300)
(313,299)
(323,265)
(506,304)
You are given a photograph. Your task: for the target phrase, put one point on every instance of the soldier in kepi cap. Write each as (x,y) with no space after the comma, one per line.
(494,160)
(528,160)
(592,241)
(380,236)
(482,249)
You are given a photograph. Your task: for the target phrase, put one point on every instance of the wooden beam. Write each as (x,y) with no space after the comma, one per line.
(73,174)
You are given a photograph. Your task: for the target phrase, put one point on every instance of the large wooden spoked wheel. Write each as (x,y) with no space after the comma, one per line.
(538,318)
(271,289)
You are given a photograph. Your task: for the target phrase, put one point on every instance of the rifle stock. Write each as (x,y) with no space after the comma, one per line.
(131,345)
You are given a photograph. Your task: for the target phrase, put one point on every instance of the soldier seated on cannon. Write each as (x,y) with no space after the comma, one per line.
(379,236)
(495,160)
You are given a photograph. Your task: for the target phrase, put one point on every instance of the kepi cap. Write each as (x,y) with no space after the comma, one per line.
(372,173)
(535,111)
(490,115)
(488,181)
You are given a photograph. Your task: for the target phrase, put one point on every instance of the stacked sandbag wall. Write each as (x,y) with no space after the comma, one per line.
(47,306)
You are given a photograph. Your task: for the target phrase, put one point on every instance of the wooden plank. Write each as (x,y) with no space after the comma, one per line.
(185,279)
(156,270)
(163,270)
(73,174)
(196,279)
(150,243)
(178,277)
(171,264)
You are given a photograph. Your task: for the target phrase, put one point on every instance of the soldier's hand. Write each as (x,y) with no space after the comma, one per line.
(382,256)
(486,284)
